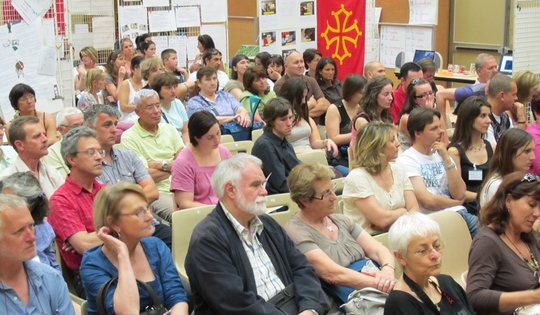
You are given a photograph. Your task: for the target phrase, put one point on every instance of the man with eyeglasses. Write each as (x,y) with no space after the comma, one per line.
(212,58)
(433,173)
(239,259)
(66,119)
(157,145)
(27,136)
(407,73)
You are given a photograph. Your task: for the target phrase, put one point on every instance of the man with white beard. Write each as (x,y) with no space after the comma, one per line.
(238,258)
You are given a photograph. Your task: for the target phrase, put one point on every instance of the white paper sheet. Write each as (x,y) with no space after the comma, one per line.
(102,7)
(219,35)
(213,11)
(80,6)
(132,21)
(156,3)
(78,41)
(47,61)
(161,21)
(48,32)
(179,43)
(418,38)
(393,41)
(187,17)
(174,3)
(162,43)
(191,47)
(423,12)
(103,32)
(81,28)
(30,10)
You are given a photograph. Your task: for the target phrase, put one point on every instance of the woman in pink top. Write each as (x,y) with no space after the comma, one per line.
(193,168)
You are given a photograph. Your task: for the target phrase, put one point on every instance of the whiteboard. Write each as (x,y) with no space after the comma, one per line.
(404,38)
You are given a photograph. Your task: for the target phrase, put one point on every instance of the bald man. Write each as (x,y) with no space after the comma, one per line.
(374,69)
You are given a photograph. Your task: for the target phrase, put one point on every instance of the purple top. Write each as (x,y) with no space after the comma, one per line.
(534,130)
(188,176)
(225,105)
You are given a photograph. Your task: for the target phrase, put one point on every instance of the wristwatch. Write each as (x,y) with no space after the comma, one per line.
(314,312)
(451,166)
(165,166)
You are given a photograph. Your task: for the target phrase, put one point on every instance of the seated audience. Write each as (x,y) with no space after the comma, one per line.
(374,69)
(150,68)
(204,42)
(527,85)
(261,59)
(437,184)
(220,103)
(374,105)
(115,74)
(311,59)
(23,99)
(514,153)
(192,170)
(429,68)
(235,86)
(419,94)
(27,137)
(148,49)
(212,59)
(503,268)
(7,153)
(416,242)
(325,75)
(170,63)
(126,46)
(28,287)
(256,84)
(376,191)
(173,111)
(275,67)
(93,87)
(26,185)
(468,148)
(407,73)
(156,143)
(139,41)
(534,131)
(124,224)
(273,148)
(334,244)
(66,119)
(88,60)
(239,258)
(126,94)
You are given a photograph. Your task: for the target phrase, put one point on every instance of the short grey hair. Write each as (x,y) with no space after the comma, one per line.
(499,83)
(230,171)
(70,142)
(91,114)
(26,185)
(10,202)
(146,93)
(479,62)
(408,227)
(63,113)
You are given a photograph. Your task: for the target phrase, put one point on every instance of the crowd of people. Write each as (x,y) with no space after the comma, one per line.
(103,180)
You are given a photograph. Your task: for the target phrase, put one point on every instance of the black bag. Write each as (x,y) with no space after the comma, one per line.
(285,301)
(156,309)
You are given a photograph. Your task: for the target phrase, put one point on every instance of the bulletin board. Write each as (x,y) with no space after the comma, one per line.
(479,22)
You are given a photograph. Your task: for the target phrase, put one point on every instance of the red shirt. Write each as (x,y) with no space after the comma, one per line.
(71,212)
(397,105)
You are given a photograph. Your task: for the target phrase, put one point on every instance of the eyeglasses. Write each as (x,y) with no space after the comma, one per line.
(2,127)
(141,212)
(438,247)
(27,97)
(93,152)
(424,95)
(327,193)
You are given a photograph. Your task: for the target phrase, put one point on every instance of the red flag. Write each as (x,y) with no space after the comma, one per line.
(340,33)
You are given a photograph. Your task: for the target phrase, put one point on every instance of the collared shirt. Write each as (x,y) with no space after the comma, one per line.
(71,212)
(159,147)
(49,178)
(8,156)
(266,278)
(222,77)
(48,293)
(55,159)
(225,104)
(125,167)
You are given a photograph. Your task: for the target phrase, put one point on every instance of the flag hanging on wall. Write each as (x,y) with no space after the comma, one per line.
(340,33)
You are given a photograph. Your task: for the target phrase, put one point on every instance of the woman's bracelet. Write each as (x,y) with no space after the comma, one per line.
(388,265)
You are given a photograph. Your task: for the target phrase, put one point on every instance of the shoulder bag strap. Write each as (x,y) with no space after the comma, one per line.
(102,296)
(155,299)
(421,294)
(212,107)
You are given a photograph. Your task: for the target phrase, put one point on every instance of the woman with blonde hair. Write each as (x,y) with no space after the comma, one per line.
(527,85)
(94,85)
(89,60)
(130,256)
(376,191)
(149,69)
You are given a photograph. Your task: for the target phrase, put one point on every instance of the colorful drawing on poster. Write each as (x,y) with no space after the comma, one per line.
(288,38)
(308,34)
(268,7)
(286,52)
(268,38)
(307,8)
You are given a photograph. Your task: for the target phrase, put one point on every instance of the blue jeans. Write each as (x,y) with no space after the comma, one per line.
(471,221)
(343,170)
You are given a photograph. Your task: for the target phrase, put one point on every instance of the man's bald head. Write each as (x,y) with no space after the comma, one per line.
(374,69)
(294,64)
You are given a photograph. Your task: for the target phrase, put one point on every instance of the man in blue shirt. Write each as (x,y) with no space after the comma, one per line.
(28,287)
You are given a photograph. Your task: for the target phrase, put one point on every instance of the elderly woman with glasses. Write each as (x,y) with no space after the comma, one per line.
(416,242)
(337,247)
(128,253)
(503,260)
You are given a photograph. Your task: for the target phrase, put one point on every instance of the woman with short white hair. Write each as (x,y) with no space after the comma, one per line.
(416,242)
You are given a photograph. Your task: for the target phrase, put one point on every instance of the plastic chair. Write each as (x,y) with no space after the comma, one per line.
(464,279)
(281,217)
(339,205)
(255,134)
(84,308)
(183,224)
(340,183)
(226,139)
(455,234)
(239,146)
(313,156)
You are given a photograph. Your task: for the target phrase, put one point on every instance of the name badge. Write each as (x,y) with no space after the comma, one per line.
(475,175)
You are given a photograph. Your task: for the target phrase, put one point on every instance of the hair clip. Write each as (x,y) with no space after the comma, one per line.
(40,194)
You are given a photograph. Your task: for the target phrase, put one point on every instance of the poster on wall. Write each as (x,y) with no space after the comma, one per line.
(132,21)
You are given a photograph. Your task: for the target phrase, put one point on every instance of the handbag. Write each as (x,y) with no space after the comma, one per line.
(240,133)
(285,301)
(156,309)
(533,309)
(366,301)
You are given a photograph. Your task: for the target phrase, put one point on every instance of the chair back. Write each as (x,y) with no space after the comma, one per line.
(255,134)
(313,156)
(239,146)
(226,139)
(183,223)
(281,217)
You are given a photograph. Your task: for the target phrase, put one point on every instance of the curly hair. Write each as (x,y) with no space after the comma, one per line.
(369,143)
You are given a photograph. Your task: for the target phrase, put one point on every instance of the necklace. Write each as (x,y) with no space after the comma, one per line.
(533,263)
(330,228)
(477,147)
